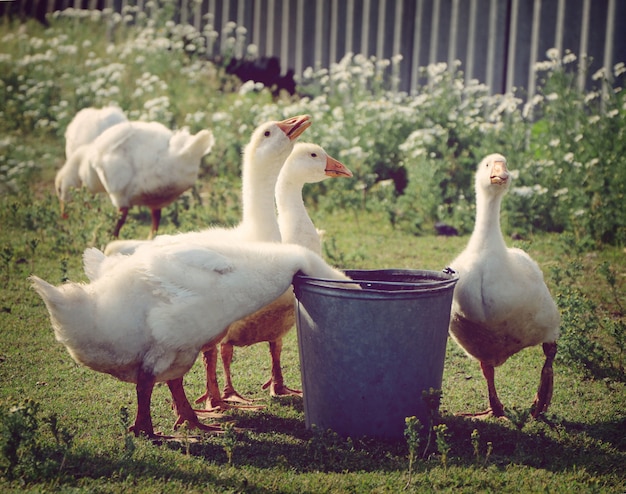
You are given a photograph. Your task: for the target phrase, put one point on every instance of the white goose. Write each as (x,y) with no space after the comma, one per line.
(307,163)
(146,164)
(84,128)
(501,303)
(146,320)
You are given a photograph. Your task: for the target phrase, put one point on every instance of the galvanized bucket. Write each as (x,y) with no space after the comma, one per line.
(366,353)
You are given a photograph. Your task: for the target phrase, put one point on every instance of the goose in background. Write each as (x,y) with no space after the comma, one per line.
(146,164)
(307,163)
(501,303)
(84,128)
(146,320)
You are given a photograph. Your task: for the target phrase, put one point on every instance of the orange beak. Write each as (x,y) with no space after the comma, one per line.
(64,215)
(294,127)
(499,173)
(335,168)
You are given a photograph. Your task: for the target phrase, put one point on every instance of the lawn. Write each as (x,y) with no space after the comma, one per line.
(63,427)
(578,446)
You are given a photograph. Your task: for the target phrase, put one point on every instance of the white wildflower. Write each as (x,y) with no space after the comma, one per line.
(247,87)
(195,117)
(523,191)
(569,157)
(612,113)
(619,69)
(554,142)
(220,116)
(569,57)
(252,50)
(435,69)
(553,54)
(599,74)
(543,66)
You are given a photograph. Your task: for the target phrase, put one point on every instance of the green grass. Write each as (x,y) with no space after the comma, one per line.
(72,434)
(580,446)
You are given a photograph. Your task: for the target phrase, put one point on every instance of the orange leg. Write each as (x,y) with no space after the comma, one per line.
(184,412)
(143,420)
(229,393)
(212,395)
(156,219)
(120,222)
(495,405)
(544,393)
(276,383)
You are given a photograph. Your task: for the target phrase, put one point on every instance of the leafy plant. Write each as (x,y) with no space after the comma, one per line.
(25,453)
(585,326)
(432,400)
(129,440)
(443,445)
(229,440)
(412,431)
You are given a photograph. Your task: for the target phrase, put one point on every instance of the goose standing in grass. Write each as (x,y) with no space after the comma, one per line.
(84,128)
(146,164)
(307,163)
(146,320)
(501,303)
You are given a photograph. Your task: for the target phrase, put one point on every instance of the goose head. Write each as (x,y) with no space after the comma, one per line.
(492,176)
(311,164)
(273,141)
(67,178)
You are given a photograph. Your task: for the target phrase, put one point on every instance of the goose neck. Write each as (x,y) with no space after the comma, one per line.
(258,203)
(289,197)
(487,232)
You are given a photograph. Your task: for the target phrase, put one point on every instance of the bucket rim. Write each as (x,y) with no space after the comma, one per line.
(446,278)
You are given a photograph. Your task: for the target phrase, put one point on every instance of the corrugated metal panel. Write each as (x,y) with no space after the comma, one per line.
(497,41)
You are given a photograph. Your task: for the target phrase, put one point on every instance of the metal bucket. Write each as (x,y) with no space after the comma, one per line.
(366,354)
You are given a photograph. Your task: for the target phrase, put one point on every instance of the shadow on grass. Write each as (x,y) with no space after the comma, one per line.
(279,445)
(145,469)
(550,444)
(272,441)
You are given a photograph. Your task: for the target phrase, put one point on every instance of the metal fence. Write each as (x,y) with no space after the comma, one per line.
(497,42)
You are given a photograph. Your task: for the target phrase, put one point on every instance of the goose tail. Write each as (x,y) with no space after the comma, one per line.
(198,145)
(92,260)
(69,306)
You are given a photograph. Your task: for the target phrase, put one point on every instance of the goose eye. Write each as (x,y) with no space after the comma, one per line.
(267,133)
(313,155)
